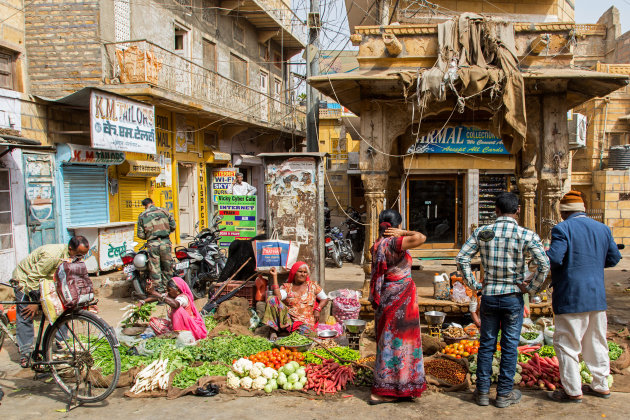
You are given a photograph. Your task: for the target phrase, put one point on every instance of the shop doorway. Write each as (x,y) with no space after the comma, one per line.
(186,198)
(432,209)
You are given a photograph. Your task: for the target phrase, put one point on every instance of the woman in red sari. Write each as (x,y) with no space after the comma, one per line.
(399,372)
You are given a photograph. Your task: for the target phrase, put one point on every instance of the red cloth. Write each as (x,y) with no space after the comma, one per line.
(294,269)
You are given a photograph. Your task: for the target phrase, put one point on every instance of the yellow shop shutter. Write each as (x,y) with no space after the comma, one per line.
(131,193)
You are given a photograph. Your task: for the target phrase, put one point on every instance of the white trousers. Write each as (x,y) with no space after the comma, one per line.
(583,333)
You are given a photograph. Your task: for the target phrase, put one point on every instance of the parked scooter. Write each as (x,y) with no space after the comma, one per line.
(356,229)
(136,266)
(344,244)
(332,248)
(205,259)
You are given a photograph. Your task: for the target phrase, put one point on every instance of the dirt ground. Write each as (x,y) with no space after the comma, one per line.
(27,398)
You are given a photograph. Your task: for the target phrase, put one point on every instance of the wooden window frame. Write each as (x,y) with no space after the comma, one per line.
(11,56)
(10,211)
(232,56)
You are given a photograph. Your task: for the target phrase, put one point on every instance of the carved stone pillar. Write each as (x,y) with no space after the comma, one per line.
(527,189)
(374,185)
(551,189)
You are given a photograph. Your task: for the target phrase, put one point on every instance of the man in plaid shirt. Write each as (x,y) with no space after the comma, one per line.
(504,247)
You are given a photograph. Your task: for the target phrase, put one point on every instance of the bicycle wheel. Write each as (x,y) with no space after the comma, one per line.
(77,342)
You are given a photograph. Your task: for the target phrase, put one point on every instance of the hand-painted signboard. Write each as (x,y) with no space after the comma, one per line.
(239,217)
(459,139)
(221,181)
(117,123)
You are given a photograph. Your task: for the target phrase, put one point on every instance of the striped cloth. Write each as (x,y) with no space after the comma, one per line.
(504,257)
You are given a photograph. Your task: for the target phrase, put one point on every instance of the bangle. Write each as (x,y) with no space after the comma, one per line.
(142,302)
(275,286)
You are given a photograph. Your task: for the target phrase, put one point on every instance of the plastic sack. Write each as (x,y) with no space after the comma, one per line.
(254,321)
(184,339)
(338,328)
(51,303)
(538,340)
(441,290)
(548,335)
(127,340)
(160,325)
(345,304)
(459,293)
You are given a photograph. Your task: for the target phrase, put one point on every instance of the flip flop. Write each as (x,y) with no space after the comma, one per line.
(590,391)
(24,362)
(560,395)
(377,402)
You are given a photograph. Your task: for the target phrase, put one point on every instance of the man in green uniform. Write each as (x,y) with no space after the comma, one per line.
(155,224)
(38,266)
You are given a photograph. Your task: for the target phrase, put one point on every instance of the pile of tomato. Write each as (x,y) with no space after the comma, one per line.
(276,358)
(464,348)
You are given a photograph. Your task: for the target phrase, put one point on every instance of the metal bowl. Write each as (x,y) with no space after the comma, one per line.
(434,317)
(354,326)
(302,348)
(327,334)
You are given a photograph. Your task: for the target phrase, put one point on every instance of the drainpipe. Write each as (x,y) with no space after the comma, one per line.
(601,149)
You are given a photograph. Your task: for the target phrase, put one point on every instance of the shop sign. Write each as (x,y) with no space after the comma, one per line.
(141,168)
(221,180)
(459,139)
(117,123)
(74,153)
(239,217)
(112,244)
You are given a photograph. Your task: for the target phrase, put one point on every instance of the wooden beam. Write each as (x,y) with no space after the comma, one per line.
(264,36)
(228,6)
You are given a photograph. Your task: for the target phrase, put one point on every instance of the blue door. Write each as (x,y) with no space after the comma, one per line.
(41,211)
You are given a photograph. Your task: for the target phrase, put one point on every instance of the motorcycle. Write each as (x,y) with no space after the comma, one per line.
(344,244)
(204,257)
(332,248)
(356,229)
(135,266)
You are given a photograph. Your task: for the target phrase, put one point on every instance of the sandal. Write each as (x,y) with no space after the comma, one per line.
(372,401)
(24,362)
(559,395)
(586,389)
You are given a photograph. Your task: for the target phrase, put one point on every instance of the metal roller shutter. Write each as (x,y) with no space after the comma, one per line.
(85,189)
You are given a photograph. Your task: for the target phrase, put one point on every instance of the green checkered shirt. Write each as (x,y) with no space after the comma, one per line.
(504,258)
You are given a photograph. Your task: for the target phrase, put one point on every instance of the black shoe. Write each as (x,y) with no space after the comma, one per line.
(482,399)
(513,397)
(1,394)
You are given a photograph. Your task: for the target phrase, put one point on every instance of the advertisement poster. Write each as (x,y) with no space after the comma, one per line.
(239,217)
(221,180)
(117,123)
(459,139)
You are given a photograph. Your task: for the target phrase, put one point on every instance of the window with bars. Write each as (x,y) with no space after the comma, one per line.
(238,69)
(6,219)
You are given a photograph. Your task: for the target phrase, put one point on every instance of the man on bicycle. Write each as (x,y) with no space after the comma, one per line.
(38,266)
(155,224)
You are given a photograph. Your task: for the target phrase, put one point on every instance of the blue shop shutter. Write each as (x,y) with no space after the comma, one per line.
(85,190)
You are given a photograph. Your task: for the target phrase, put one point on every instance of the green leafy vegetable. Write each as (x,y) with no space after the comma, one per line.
(546,351)
(140,314)
(614,351)
(530,335)
(189,375)
(295,339)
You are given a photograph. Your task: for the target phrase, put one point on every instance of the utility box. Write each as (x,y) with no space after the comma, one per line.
(294,203)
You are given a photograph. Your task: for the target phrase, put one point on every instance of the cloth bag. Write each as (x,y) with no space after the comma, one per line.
(74,286)
(276,253)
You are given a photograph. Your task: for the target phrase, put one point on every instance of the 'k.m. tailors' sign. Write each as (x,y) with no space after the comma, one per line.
(117,123)
(459,139)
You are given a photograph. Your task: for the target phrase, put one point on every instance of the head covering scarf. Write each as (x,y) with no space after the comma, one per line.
(294,269)
(194,324)
(572,201)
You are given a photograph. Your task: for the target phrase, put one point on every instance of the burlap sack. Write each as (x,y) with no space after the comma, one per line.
(234,312)
(446,386)
(431,345)
(126,379)
(154,394)
(617,366)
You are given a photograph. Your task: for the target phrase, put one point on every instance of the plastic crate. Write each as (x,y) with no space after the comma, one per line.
(247,292)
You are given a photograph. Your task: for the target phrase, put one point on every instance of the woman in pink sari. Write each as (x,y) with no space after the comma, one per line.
(182,311)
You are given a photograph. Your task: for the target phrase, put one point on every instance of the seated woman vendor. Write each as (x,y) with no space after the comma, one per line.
(295,306)
(182,313)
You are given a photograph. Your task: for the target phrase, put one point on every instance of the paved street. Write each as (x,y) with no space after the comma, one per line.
(32,399)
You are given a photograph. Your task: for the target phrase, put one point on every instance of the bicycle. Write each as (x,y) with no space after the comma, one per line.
(67,349)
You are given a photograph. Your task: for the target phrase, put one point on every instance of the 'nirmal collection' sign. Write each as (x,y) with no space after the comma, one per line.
(459,139)
(117,123)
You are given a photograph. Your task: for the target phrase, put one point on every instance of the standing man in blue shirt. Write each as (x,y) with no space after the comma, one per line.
(504,247)
(580,250)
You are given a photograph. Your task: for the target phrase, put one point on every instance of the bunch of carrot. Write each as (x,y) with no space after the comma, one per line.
(328,378)
(542,372)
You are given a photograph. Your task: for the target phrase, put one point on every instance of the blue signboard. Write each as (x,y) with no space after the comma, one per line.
(459,139)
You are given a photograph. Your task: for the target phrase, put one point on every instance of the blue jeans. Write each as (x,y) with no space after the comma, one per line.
(505,313)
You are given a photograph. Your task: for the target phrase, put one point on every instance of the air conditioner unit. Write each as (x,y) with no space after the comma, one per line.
(577,125)
(353,161)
